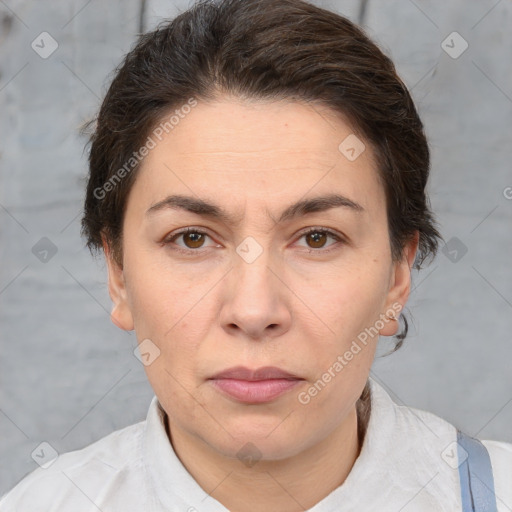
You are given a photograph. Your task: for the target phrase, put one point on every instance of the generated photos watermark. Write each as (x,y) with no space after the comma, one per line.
(157,135)
(304,397)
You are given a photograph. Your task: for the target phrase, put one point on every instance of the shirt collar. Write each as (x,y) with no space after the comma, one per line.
(169,479)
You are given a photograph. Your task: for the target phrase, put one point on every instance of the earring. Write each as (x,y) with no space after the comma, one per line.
(392,317)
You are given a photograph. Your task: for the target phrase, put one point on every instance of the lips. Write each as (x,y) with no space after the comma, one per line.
(263,373)
(254,386)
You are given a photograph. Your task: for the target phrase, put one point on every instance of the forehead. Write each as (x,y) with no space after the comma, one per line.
(252,125)
(236,150)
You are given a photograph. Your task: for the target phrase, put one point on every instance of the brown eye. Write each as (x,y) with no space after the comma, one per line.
(193,239)
(318,238)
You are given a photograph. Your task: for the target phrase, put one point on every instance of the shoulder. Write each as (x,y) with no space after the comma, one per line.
(430,442)
(500,454)
(77,478)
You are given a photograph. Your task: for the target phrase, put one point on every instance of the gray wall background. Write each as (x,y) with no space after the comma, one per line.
(68,376)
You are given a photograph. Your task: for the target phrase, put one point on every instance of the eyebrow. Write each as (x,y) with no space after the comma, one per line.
(216,212)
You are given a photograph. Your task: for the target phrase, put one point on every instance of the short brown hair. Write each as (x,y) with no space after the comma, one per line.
(264,49)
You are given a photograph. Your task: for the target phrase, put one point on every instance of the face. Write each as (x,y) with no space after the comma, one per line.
(254,287)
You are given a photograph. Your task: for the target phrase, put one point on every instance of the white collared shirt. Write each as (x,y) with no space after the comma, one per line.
(404,465)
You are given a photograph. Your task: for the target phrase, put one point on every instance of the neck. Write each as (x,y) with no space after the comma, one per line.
(294,484)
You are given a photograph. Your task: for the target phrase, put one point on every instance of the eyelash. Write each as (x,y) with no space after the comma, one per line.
(169,240)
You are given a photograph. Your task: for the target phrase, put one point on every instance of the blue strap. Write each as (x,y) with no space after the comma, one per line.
(476,479)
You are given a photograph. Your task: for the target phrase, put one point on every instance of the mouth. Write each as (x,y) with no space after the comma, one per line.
(254,386)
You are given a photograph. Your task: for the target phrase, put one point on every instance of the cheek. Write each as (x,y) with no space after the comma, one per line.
(159,295)
(174,311)
(349,306)
(348,298)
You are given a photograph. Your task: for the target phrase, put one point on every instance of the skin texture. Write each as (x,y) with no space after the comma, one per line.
(212,310)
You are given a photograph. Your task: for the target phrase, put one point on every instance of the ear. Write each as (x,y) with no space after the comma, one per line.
(121,314)
(400,285)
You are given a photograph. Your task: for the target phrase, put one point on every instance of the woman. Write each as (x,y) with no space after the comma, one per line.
(257,183)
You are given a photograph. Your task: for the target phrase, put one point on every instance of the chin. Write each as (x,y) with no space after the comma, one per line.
(253,444)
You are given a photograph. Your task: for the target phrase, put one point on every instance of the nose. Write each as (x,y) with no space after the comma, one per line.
(257,301)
